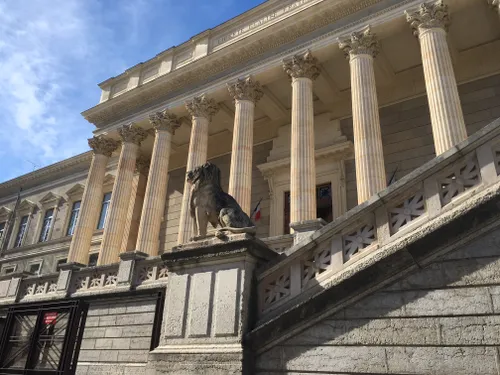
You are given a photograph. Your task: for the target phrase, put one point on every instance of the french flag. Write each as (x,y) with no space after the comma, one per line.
(256,212)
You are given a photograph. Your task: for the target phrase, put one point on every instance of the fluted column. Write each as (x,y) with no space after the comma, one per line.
(201,110)
(91,200)
(246,93)
(430,23)
(164,125)
(360,48)
(114,229)
(302,70)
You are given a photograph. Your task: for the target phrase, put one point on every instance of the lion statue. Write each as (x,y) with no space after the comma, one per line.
(210,204)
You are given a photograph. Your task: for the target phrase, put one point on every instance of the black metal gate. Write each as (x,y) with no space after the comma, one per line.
(43,338)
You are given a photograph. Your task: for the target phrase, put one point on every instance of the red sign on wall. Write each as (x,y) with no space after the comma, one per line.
(50,318)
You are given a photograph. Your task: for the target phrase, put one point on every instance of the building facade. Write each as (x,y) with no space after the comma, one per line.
(368,134)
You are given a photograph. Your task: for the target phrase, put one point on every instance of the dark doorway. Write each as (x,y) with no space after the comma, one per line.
(42,338)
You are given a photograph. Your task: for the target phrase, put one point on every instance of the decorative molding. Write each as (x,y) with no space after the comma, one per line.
(302,66)
(360,43)
(142,165)
(102,145)
(201,106)
(215,63)
(50,200)
(429,16)
(5,213)
(26,206)
(494,4)
(132,133)
(164,121)
(246,89)
(75,192)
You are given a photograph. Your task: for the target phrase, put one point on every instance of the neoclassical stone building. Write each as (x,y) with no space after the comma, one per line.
(368,134)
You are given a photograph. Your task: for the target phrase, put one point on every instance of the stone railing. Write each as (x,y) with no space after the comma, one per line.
(428,195)
(279,243)
(134,271)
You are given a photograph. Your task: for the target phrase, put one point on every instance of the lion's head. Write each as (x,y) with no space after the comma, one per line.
(206,173)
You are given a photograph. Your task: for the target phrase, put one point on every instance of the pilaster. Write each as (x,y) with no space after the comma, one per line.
(361,48)
(430,24)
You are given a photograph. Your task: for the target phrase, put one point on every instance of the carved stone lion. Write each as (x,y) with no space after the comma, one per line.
(210,204)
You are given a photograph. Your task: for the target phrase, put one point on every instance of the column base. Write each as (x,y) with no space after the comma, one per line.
(303,229)
(207,307)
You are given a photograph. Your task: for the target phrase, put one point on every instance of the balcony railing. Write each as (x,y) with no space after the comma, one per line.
(414,204)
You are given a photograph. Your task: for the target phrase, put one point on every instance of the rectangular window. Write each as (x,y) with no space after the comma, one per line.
(75,211)
(21,232)
(35,268)
(46,225)
(2,230)
(104,210)
(59,262)
(93,260)
(8,270)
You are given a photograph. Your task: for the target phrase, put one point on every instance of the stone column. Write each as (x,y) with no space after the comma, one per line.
(201,110)
(302,70)
(91,200)
(164,125)
(430,23)
(360,48)
(114,229)
(245,93)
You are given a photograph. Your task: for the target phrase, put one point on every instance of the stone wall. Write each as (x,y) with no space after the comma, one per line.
(444,319)
(117,335)
(407,133)
(260,189)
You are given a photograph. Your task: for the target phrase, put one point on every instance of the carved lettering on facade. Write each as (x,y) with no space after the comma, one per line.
(260,22)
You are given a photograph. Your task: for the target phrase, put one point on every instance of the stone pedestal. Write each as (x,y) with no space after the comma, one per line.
(207,307)
(360,48)
(430,24)
(303,229)
(201,109)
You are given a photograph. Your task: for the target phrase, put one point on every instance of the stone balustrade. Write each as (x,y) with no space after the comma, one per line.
(135,271)
(424,200)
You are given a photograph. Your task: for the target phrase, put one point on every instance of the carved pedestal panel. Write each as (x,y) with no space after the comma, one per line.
(207,307)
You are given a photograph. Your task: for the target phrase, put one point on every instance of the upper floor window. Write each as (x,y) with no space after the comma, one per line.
(75,211)
(21,232)
(9,269)
(35,268)
(104,210)
(324,206)
(3,227)
(59,262)
(93,258)
(46,225)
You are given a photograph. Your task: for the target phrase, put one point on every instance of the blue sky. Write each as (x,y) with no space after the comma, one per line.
(54,52)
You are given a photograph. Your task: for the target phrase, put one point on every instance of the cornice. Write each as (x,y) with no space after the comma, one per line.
(46,171)
(162,87)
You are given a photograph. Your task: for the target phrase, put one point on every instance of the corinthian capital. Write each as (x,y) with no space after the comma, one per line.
(246,89)
(132,133)
(302,66)
(360,43)
(164,121)
(201,106)
(102,145)
(429,16)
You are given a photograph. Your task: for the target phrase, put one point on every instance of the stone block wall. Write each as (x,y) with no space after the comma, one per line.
(443,319)
(117,335)
(407,133)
